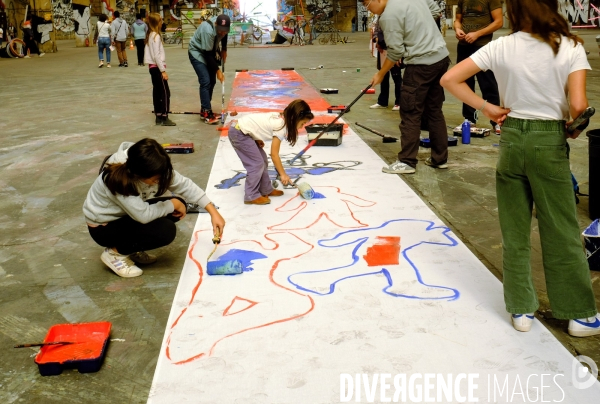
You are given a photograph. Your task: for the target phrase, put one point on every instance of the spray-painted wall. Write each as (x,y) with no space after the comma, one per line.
(581,12)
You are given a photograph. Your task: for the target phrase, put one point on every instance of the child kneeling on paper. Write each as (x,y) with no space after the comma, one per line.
(248,138)
(132,207)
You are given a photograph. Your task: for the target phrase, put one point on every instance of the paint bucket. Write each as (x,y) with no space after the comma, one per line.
(594,172)
(591,235)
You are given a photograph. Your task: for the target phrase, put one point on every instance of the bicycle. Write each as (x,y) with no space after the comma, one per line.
(175,38)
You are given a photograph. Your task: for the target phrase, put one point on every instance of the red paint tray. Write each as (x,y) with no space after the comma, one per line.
(86,354)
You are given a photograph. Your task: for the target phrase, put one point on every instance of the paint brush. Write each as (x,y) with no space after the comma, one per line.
(222,267)
(44,344)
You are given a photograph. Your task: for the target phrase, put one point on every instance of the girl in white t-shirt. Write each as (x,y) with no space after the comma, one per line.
(248,137)
(541,72)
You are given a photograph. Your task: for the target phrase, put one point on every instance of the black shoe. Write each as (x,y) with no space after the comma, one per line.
(159,120)
(120,64)
(125,64)
(168,122)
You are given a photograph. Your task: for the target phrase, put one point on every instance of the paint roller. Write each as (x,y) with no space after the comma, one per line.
(342,112)
(223,93)
(229,267)
(303,188)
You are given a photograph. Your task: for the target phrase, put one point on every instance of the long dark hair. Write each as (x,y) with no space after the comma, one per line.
(145,159)
(542,19)
(296,111)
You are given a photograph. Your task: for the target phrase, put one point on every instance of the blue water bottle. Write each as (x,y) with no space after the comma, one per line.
(466,132)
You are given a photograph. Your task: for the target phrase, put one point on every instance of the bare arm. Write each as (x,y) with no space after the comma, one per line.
(454,81)
(577,97)
(493,27)
(275,145)
(459,33)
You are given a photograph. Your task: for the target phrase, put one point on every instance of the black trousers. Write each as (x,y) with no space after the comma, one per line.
(129,236)
(161,95)
(384,87)
(30,45)
(487,82)
(139,46)
(422,92)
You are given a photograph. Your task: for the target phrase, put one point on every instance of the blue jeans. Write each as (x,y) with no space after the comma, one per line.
(104,43)
(206,80)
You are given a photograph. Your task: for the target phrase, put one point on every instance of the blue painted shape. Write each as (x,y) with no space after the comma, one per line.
(320,170)
(231,182)
(245,257)
(318,195)
(452,294)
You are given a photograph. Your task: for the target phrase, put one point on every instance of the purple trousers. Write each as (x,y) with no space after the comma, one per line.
(255,162)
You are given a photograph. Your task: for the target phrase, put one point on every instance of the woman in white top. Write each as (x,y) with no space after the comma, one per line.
(541,72)
(103,38)
(154,55)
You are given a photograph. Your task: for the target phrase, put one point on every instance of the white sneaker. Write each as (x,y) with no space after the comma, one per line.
(429,163)
(143,258)
(522,322)
(398,168)
(497,129)
(41,54)
(122,265)
(377,106)
(101,63)
(27,57)
(108,65)
(584,327)
(396,108)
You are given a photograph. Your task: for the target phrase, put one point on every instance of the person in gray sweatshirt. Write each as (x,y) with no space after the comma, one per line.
(134,203)
(411,35)
(120,32)
(139,30)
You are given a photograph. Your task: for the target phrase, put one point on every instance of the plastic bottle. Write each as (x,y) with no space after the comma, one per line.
(466,132)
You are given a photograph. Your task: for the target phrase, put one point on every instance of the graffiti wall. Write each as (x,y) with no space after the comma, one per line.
(581,12)
(64,25)
(82,26)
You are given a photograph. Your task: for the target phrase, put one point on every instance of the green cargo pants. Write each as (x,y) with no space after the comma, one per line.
(533,167)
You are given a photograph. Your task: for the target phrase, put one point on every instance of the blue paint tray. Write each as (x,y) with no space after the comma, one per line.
(86,353)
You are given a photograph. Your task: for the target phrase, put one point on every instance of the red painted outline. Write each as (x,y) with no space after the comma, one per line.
(226,311)
(271,279)
(304,204)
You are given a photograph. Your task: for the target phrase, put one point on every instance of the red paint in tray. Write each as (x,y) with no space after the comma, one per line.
(86,354)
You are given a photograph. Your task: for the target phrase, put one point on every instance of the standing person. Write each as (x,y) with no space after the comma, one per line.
(120,32)
(411,35)
(1,36)
(533,165)
(102,36)
(139,29)
(395,72)
(353,23)
(475,23)
(155,57)
(364,21)
(30,44)
(248,138)
(205,52)
(131,207)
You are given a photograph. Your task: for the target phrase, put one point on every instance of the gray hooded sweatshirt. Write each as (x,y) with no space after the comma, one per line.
(101,206)
(411,33)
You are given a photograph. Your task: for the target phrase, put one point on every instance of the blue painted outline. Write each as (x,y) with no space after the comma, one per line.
(355,258)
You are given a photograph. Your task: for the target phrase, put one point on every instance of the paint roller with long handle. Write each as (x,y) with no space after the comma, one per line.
(44,344)
(342,112)
(223,93)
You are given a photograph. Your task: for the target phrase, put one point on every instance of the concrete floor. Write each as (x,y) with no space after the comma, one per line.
(61,115)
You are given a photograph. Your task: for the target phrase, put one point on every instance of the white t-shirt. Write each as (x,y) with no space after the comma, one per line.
(103,29)
(532,81)
(263,126)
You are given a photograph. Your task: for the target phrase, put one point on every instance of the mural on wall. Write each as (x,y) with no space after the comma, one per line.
(62,11)
(127,10)
(81,20)
(322,9)
(45,30)
(362,13)
(581,12)
(283,8)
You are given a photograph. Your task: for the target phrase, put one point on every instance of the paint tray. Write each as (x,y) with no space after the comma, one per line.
(333,136)
(475,132)
(336,108)
(86,354)
(179,148)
